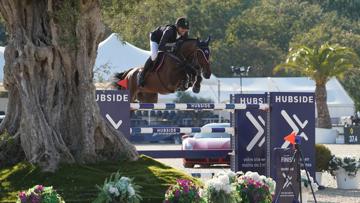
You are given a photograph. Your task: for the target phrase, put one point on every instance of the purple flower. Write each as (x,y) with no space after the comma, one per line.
(186,189)
(177,193)
(22,196)
(34,198)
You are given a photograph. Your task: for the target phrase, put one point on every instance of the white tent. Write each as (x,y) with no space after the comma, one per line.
(339,102)
(119,55)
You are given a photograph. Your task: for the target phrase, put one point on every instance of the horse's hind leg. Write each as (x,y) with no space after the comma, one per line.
(147,97)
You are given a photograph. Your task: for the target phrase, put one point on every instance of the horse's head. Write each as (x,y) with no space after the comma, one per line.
(203,57)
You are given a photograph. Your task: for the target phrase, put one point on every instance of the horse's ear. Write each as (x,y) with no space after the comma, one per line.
(208,40)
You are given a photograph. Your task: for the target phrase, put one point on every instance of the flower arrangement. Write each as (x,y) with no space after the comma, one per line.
(252,187)
(118,189)
(220,189)
(184,191)
(349,164)
(39,194)
(305,183)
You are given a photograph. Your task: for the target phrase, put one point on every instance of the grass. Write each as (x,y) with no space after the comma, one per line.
(76,183)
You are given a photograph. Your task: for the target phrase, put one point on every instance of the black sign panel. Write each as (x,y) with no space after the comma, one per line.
(286,175)
(352,135)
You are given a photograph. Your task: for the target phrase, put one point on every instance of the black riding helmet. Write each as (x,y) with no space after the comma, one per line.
(182,22)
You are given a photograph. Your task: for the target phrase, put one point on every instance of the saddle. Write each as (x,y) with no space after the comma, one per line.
(190,73)
(158,62)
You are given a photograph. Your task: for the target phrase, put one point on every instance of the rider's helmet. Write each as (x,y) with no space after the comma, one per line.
(182,22)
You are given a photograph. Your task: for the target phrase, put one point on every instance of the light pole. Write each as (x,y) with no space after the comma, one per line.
(240,71)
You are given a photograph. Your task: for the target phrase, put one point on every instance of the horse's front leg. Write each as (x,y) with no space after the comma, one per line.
(197,84)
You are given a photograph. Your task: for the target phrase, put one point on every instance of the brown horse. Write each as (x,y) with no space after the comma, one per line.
(174,73)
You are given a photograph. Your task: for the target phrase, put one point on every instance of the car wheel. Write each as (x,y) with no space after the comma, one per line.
(188,165)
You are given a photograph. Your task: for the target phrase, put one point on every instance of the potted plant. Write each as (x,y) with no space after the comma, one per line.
(39,194)
(220,189)
(253,188)
(322,158)
(346,171)
(118,189)
(184,191)
(305,186)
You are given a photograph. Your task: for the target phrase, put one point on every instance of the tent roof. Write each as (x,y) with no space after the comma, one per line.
(336,93)
(119,55)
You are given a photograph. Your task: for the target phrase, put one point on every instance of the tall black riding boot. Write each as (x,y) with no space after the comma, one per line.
(147,67)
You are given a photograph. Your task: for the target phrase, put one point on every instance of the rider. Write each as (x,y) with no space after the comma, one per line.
(163,38)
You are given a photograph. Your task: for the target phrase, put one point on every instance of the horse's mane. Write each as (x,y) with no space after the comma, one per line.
(182,42)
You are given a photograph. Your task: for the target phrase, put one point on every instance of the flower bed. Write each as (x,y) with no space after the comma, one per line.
(39,194)
(225,187)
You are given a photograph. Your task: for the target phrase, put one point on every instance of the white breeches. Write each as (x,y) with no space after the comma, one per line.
(154,48)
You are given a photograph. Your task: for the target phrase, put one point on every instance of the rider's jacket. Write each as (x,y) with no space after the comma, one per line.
(164,35)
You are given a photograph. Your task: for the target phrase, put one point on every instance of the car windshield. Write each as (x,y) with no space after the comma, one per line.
(212,135)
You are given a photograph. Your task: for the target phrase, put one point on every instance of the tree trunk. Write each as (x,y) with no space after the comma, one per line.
(48,72)
(323,120)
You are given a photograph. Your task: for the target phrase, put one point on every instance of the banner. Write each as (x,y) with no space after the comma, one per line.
(115,108)
(294,112)
(286,175)
(250,135)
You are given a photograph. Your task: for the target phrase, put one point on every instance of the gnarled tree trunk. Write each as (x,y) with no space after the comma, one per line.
(52,112)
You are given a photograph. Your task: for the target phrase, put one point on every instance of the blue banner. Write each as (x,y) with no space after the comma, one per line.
(115,108)
(250,139)
(293,112)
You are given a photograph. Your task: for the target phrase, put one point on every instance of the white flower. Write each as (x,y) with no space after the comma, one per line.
(125,179)
(224,179)
(304,179)
(131,190)
(113,190)
(262,178)
(253,175)
(231,174)
(214,183)
(271,184)
(202,192)
(241,181)
(227,189)
(239,173)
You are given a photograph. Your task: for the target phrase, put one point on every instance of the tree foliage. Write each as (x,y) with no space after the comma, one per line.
(255,33)
(321,64)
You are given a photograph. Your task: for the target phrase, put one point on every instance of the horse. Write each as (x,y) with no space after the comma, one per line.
(173,72)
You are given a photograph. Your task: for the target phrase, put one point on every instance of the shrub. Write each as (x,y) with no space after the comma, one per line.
(118,189)
(349,164)
(322,157)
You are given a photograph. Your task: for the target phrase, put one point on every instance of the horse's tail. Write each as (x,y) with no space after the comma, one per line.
(117,77)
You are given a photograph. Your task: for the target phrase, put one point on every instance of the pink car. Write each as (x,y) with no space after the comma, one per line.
(205,141)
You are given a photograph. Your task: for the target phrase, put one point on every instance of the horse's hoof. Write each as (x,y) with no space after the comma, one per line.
(196,89)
